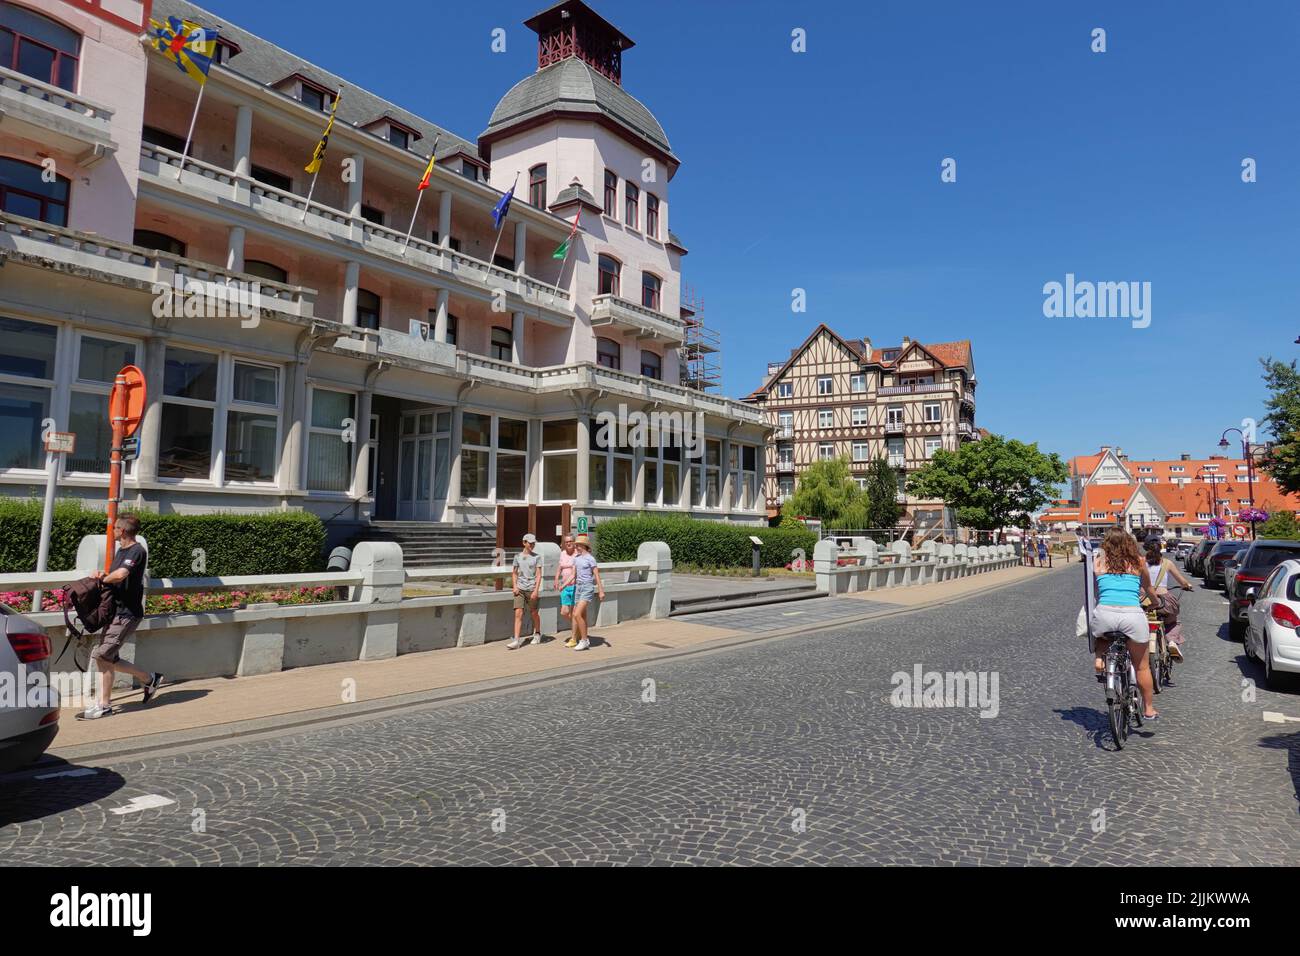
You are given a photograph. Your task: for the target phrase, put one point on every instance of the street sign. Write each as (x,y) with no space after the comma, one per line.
(60,443)
(582,524)
(131,379)
(131,448)
(1240,531)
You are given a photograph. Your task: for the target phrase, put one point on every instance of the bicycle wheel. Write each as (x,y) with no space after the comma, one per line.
(1135,706)
(1118,723)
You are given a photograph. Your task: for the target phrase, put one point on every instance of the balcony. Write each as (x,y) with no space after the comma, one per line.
(783,431)
(224,190)
(896,461)
(646,324)
(78,253)
(785,465)
(967,431)
(895,426)
(926,389)
(55,118)
(968,396)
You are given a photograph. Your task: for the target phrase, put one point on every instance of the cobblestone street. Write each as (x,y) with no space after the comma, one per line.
(788,751)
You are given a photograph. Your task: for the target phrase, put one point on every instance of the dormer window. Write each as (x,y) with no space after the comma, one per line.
(399,137)
(889,355)
(312,97)
(226,49)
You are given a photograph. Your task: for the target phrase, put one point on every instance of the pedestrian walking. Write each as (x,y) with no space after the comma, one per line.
(587,585)
(125,578)
(565,581)
(526,582)
(1043,553)
(1029,548)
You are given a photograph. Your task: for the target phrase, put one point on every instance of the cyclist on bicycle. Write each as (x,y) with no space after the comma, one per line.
(1161,570)
(1121,577)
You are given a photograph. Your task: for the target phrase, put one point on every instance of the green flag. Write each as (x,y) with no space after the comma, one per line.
(562,250)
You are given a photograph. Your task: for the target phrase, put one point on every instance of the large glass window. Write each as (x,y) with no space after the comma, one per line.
(651,364)
(369,309)
(23,192)
(650,286)
(502,344)
(329,453)
(265,270)
(39,47)
(189,403)
(652,215)
(26,384)
(253,423)
(632,205)
(475,455)
(160,241)
(611,194)
(512,459)
(560,460)
(609,269)
(98,362)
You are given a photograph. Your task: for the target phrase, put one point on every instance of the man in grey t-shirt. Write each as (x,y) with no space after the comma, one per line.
(526,581)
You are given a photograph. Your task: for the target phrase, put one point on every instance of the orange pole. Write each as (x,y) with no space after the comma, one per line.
(117,416)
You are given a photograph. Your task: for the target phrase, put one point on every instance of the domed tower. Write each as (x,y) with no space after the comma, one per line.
(580,144)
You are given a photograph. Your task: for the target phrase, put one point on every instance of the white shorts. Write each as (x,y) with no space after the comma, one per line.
(1130,621)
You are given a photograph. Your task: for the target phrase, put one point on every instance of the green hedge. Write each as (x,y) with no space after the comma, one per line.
(277,543)
(708,544)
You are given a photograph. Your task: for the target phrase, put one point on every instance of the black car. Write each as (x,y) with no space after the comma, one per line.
(1253,568)
(1195,561)
(1216,558)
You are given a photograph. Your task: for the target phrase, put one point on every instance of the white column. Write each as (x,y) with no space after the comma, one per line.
(362,474)
(517,338)
(583,497)
(444,219)
(724,489)
(535,461)
(351,285)
(243,150)
(521,246)
(638,476)
(453,477)
(296,425)
(440,321)
(354,196)
(235,249)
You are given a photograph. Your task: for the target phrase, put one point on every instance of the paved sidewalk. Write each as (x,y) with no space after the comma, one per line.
(197,705)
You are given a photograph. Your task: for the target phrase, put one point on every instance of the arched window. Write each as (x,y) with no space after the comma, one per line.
(537,186)
(609,269)
(160,241)
(23,192)
(369,307)
(650,285)
(265,270)
(501,343)
(609,354)
(39,47)
(632,206)
(652,366)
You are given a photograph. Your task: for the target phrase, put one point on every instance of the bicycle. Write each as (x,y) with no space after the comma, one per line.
(1160,658)
(1123,701)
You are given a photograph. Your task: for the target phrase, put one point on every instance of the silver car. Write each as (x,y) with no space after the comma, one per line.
(1272,621)
(29,708)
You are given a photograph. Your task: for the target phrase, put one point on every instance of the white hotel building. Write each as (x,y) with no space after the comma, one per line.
(380,383)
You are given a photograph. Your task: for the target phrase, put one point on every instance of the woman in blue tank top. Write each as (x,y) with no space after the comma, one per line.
(1121,579)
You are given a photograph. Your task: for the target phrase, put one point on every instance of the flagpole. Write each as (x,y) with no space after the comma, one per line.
(311,190)
(502,227)
(433,159)
(560,278)
(190,135)
(329,127)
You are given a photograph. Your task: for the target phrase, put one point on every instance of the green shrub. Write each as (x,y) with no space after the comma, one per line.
(707,544)
(276,543)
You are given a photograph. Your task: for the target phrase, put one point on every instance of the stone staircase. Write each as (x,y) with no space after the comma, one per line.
(429,544)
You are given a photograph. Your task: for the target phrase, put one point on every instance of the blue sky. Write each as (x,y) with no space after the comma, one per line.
(821,171)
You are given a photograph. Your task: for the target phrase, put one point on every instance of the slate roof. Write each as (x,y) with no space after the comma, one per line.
(264,62)
(573,86)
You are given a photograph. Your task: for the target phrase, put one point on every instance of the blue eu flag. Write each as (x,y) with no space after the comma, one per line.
(502,208)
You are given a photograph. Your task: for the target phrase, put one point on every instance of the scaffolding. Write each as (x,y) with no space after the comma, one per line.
(701,365)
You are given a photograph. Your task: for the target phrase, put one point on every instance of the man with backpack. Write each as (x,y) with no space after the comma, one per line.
(125,579)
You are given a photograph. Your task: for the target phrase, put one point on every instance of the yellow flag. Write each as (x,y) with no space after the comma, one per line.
(318,155)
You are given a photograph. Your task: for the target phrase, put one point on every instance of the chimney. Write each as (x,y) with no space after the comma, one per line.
(866,346)
(1185,456)
(773,368)
(906,341)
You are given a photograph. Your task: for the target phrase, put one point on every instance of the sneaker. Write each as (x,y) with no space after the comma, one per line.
(1175,652)
(582,645)
(571,642)
(515,644)
(96,712)
(151,688)
(537,639)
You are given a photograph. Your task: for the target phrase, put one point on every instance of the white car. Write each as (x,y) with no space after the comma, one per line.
(29,710)
(1272,621)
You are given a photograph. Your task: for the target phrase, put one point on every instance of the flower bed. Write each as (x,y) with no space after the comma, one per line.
(189,602)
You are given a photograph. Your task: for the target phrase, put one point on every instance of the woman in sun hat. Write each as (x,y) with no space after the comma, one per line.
(587,585)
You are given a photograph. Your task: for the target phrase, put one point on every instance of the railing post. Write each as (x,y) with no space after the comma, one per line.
(380,565)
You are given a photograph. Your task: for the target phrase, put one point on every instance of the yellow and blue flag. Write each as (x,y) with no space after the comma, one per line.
(190,46)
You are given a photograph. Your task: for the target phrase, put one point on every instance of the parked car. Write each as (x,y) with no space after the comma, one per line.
(1196,560)
(1182,549)
(1272,618)
(1230,568)
(25,731)
(1215,559)
(1253,567)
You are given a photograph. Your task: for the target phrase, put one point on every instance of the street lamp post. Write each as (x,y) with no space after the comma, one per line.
(1250,471)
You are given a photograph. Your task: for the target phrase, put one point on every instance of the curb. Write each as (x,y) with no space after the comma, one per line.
(108,752)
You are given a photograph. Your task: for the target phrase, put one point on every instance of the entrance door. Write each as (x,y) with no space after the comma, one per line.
(424,465)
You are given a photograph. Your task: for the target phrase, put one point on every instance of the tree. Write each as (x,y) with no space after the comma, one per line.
(1283,421)
(1283,524)
(827,491)
(991,483)
(882,495)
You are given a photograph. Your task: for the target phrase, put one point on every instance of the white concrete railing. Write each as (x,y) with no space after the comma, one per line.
(375,622)
(874,569)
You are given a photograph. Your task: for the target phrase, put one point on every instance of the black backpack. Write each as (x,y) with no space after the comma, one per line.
(94,603)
